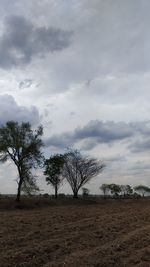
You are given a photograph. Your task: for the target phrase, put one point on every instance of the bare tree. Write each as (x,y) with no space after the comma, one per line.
(105,189)
(79,169)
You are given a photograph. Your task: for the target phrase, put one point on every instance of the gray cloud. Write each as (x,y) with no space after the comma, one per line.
(110,39)
(94,132)
(116,158)
(99,132)
(105,132)
(103,74)
(10,110)
(141,145)
(139,166)
(21,41)
(25,83)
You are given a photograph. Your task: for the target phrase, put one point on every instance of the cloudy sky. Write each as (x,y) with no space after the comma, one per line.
(80,68)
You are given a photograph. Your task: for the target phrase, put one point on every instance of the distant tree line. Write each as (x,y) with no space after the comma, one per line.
(117,190)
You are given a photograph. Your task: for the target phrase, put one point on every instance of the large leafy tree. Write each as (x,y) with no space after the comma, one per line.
(22,145)
(53,171)
(79,169)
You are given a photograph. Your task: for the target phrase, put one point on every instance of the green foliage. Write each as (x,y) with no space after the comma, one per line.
(126,190)
(23,146)
(142,189)
(29,186)
(115,189)
(129,189)
(85,192)
(53,168)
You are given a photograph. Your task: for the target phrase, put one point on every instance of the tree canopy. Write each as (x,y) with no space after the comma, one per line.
(22,145)
(53,171)
(105,189)
(79,169)
(143,189)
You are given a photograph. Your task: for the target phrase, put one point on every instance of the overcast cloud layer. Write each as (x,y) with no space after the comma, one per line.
(82,69)
(21,41)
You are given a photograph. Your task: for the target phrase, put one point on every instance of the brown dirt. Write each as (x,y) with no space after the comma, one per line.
(110,233)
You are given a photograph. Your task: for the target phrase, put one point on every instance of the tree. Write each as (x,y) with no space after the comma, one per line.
(105,189)
(142,189)
(85,192)
(53,169)
(115,189)
(126,190)
(22,145)
(79,169)
(129,189)
(29,186)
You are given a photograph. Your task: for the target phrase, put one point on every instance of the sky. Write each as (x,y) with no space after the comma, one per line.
(80,68)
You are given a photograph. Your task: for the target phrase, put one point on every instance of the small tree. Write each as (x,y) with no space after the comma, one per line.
(85,192)
(126,190)
(53,169)
(105,189)
(22,145)
(142,189)
(115,189)
(79,169)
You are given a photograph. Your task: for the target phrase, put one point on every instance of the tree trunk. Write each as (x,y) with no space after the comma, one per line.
(75,195)
(56,191)
(19,184)
(19,190)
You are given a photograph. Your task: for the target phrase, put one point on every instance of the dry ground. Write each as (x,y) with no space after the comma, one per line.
(110,233)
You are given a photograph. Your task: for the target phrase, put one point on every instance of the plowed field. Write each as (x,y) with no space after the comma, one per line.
(110,233)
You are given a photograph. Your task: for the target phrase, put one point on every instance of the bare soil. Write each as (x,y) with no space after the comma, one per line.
(109,233)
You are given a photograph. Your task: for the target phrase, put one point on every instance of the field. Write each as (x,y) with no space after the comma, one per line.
(77,234)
